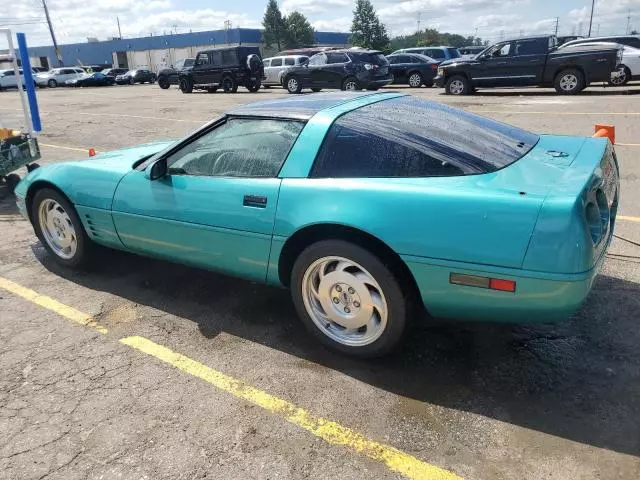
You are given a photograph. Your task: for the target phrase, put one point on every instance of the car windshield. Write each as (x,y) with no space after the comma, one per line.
(189,62)
(472,143)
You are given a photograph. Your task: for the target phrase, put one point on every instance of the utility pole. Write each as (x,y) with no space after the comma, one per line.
(593,3)
(119,31)
(557,23)
(627,30)
(53,35)
(418,29)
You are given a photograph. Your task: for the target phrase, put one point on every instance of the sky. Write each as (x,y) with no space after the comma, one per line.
(75,20)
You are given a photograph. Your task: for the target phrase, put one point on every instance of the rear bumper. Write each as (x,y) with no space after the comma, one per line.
(438,81)
(376,82)
(539,298)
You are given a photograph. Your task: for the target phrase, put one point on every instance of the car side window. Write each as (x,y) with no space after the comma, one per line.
(502,50)
(228,57)
(318,59)
(276,62)
(436,53)
(527,47)
(203,59)
(239,147)
(358,153)
(337,58)
(289,61)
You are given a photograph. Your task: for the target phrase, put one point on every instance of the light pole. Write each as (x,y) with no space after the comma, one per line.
(593,2)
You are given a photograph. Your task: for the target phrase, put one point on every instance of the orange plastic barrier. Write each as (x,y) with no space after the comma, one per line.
(608,131)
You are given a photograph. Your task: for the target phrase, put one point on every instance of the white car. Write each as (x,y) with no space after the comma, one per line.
(8,78)
(630,60)
(58,76)
(274,67)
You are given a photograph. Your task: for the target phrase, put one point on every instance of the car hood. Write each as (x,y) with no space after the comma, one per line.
(91,181)
(458,61)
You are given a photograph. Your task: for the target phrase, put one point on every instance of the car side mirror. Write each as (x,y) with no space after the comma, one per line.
(157,170)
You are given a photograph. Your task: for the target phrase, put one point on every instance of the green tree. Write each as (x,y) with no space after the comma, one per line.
(274,27)
(635,32)
(366,29)
(299,32)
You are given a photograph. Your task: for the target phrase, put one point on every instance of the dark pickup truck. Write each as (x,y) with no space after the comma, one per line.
(533,61)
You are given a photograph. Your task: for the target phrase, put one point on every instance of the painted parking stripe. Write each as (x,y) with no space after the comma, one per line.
(118,115)
(333,433)
(63,147)
(530,112)
(628,219)
(51,304)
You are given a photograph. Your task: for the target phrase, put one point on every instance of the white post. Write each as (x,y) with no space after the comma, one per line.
(23,99)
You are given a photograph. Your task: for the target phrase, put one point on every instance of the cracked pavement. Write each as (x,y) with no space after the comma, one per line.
(483,400)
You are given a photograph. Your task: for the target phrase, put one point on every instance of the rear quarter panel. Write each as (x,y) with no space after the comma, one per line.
(597,65)
(467,219)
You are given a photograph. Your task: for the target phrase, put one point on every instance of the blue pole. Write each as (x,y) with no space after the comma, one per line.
(29,83)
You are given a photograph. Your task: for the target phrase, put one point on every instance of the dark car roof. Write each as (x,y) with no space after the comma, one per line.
(300,107)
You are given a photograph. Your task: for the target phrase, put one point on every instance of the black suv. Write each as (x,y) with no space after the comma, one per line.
(226,67)
(346,69)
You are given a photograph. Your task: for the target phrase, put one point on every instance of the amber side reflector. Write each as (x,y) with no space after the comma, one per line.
(92,152)
(482,282)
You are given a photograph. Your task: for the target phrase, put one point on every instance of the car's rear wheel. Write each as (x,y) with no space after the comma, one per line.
(52,83)
(58,227)
(132,81)
(293,85)
(569,82)
(186,85)
(457,85)
(229,84)
(253,85)
(163,82)
(415,80)
(348,298)
(622,79)
(351,84)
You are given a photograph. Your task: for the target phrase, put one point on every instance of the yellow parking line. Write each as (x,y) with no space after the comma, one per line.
(332,432)
(63,147)
(628,219)
(51,304)
(530,112)
(627,144)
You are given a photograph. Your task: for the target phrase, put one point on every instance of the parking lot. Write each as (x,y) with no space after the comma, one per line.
(146,369)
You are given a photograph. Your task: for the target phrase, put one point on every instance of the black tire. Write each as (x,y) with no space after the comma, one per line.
(253,85)
(229,84)
(186,85)
(163,82)
(293,84)
(52,83)
(621,81)
(430,84)
(398,305)
(415,79)
(12,180)
(316,90)
(132,81)
(85,246)
(351,83)
(569,82)
(457,85)
(212,89)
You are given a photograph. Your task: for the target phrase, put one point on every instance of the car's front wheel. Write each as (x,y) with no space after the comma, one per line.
(186,85)
(293,85)
(457,85)
(229,84)
(569,82)
(253,85)
(52,83)
(132,81)
(415,80)
(348,298)
(58,227)
(163,82)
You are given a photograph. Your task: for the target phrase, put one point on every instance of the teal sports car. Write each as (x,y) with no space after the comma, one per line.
(365,205)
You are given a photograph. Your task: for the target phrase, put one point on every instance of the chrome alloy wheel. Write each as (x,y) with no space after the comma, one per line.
(344,301)
(620,79)
(351,85)
(57,229)
(415,80)
(456,87)
(292,85)
(568,82)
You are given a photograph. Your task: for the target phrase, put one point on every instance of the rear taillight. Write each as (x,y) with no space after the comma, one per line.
(434,67)
(369,66)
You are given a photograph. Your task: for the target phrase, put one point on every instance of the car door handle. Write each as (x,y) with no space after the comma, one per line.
(255,201)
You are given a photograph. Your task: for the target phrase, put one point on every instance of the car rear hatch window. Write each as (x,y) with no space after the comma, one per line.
(453,53)
(378,61)
(432,139)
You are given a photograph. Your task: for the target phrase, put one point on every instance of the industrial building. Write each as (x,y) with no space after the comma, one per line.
(157,52)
